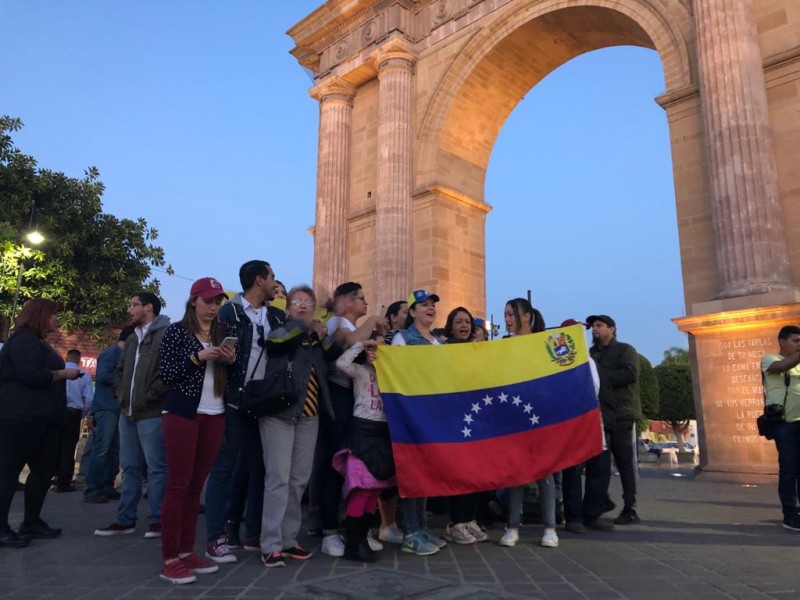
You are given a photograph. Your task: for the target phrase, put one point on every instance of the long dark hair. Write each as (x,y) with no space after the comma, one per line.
(217,332)
(448,326)
(521,306)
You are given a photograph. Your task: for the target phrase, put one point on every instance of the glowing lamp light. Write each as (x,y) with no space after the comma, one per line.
(35,238)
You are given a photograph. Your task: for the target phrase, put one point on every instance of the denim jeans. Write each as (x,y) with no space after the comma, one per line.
(141,446)
(787,441)
(413,514)
(241,449)
(547,501)
(104,461)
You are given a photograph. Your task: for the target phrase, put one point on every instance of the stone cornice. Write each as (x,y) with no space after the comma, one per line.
(450,194)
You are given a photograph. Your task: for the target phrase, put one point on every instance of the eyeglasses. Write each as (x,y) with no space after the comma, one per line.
(260,331)
(303,303)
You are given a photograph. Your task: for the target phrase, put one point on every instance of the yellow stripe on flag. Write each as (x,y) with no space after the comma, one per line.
(413,370)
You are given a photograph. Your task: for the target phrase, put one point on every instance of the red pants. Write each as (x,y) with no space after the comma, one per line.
(192,446)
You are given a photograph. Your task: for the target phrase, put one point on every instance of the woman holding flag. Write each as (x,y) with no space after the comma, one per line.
(521,319)
(463,527)
(417,538)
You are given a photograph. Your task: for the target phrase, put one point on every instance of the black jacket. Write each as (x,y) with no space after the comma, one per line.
(27,390)
(292,342)
(232,314)
(618,366)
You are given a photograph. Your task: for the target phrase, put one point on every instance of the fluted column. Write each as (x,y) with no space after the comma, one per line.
(393,211)
(333,184)
(746,214)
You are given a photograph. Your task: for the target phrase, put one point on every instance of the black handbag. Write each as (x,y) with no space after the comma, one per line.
(773,413)
(273,394)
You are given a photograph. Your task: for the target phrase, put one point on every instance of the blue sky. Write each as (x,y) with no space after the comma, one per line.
(199,120)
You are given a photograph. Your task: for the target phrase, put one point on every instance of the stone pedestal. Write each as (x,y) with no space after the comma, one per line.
(727,345)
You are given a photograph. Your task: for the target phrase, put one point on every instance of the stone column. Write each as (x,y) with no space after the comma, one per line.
(333,184)
(393,210)
(747,218)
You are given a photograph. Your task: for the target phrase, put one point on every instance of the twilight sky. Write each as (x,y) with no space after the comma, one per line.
(199,120)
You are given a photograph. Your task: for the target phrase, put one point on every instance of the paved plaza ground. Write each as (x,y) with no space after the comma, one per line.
(698,539)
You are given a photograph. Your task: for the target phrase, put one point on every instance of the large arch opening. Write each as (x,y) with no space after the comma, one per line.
(580,178)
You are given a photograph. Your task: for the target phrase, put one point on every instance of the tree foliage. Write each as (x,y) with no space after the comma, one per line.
(648,392)
(90,262)
(676,396)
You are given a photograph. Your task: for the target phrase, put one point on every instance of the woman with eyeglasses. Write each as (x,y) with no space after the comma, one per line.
(521,319)
(290,436)
(194,363)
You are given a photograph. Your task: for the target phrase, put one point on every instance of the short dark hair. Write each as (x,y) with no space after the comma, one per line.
(73,355)
(250,270)
(786,332)
(150,298)
(394,308)
(350,287)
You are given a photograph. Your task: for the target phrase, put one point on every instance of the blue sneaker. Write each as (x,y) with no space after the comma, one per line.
(433,538)
(417,543)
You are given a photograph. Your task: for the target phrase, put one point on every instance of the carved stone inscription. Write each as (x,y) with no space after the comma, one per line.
(730,377)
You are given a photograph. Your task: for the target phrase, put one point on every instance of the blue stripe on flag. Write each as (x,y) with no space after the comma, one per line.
(488,413)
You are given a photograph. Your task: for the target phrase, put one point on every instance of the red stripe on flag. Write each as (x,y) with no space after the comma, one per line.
(507,461)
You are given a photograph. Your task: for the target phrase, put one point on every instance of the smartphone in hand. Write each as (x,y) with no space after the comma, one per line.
(230,342)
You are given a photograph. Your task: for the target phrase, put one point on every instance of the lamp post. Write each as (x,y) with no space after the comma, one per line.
(35,238)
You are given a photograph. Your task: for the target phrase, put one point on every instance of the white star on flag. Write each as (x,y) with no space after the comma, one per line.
(476,408)
(527,408)
(466,431)
(487,400)
(535,420)
(517,401)
(468,418)
(503,398)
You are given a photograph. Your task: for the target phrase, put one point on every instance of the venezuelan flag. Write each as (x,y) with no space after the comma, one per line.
(482,416)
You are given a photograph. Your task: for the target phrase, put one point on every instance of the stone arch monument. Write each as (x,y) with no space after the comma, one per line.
(413,94)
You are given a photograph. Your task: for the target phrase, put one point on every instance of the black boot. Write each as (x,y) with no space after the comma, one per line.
(368,554)
(356,541)
(11,539)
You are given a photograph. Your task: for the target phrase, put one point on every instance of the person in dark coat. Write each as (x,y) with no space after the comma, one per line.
(33,402)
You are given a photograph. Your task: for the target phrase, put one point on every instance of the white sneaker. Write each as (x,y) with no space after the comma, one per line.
(374,544)
(459,534)
(333,545)
(510,537)
(550,538)
(391,534)
(476,531)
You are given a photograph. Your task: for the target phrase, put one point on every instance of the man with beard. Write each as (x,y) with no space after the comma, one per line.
(618,365)
(252,316)
(140,391)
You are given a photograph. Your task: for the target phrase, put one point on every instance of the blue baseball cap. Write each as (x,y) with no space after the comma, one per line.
(421,296)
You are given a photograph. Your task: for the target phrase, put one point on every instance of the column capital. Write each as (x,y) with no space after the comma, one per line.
(333,88)
(395,52)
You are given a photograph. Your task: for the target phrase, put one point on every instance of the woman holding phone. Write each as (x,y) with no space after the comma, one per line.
(195,357)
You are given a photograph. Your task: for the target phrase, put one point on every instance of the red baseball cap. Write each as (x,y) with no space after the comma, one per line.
(207,288)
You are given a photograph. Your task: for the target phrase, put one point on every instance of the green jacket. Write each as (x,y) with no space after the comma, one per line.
(148,389)
(618,365)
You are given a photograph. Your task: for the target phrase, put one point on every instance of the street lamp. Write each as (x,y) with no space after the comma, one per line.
(35,238)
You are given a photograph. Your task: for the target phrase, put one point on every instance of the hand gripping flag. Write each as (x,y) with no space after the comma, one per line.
(487,415)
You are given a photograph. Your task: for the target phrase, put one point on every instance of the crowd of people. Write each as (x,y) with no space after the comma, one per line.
(168,409)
